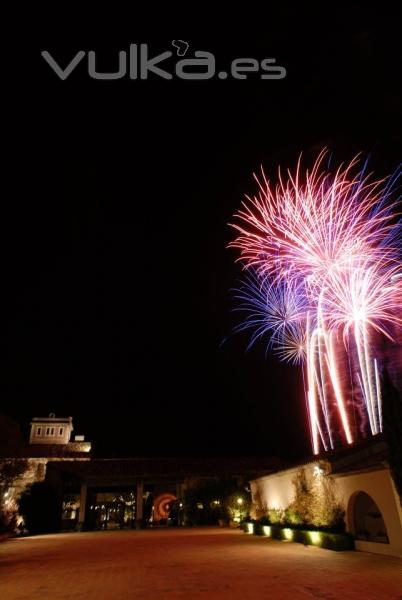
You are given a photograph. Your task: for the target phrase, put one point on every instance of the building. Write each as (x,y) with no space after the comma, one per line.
(116,493)
(363,482)
(56,432)
(51,430)
(82,492)
(75,491)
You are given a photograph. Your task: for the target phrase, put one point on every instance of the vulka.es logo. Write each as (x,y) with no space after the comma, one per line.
(136,63)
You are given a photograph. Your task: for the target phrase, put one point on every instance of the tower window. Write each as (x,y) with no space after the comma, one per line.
(39,431)
(49,430)
(61,430)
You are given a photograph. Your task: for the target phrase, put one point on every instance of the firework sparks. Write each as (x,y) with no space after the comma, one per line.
(272,310)
(321,250)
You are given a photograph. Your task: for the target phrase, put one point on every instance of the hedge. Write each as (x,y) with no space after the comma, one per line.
(322,539)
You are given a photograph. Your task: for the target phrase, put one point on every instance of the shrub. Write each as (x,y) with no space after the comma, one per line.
(327,511)
(300,510)
(337,541)
(291,517)
(264,521)
(315,504)
(274,515)
(258,507)
(322,539)
(277,533)
(41,508)
(209,501)
(11,474)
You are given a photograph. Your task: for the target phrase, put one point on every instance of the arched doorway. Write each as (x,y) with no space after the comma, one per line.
(368,522)
(161,508)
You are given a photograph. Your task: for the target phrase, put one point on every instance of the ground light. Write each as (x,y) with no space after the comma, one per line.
(328,540)
(249,528)
(315,537)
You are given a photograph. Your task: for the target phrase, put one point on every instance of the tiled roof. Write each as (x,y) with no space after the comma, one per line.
(371,453)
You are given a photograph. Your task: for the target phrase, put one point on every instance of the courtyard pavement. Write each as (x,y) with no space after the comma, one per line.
(206,563)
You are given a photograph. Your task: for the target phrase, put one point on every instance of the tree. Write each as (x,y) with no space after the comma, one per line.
(315,503)
(213,500)
(299,511)
(11,470)
(40,506)
(326,510)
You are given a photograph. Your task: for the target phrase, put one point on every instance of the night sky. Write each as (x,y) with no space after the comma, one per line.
(114,269)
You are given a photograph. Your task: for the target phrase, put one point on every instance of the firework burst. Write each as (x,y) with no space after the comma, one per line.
(272,311)
(322,253)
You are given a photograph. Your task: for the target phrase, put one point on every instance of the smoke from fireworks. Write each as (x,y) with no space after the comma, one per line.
(322,253)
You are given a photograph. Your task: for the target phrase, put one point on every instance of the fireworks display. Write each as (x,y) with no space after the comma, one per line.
(323,282)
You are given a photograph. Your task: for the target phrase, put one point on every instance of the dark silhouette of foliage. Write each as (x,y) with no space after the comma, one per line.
(10,471)
(211,501)
(41,509)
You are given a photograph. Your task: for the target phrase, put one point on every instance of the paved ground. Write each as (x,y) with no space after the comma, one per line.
(211,564)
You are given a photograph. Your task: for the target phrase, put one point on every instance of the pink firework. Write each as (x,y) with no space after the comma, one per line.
(336,237)
(315,223)
(364,294)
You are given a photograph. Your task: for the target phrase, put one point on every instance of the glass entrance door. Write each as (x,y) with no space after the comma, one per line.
(113,510)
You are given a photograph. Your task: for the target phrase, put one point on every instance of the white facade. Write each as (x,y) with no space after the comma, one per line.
(377,484)
(51,430)
(382,521)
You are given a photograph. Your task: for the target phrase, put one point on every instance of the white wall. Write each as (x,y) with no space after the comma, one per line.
(277,491)
(379,485)
(39,429)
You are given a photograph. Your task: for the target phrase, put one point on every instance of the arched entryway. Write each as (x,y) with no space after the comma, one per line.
(367,521)
(161,508)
